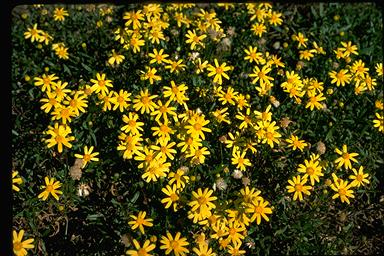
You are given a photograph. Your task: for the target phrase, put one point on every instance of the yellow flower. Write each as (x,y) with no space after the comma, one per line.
(259,209)
(157,168)
(45,37)
(198,155)
(47,81)
(51,187)
(379,69)
(134,18)
(194,39)
(172,196)
(16,180)
(218,71)
(33,33)
(120,100)
(63,113)
(176,92)
(164,148)
(247,119)
(274,18)
(202,202)
(175,66)
(146,156)
(62,52)
(162,110)
(345,158)
(141,251)
(59,13)
(135,42)
(258,29)
(158,56)
(190,143)
(261,75)
(340,78)
(318,49)
(295,143)
(116,57)
(88,156)
(348,49)
(221,115)
(174,244)
(301,39)
(235,249)
(358,67)
(59,137)
(306,54)
(297,187)
(133,126)
(227,97)
(359,178)
(130,144)
(239,159)
(265,116)
(77,103)
(311,168)
(20,247)
(379,122)
(271,135)
(179,178)
(163,130)
(203,250)
(235,230)
(314,100)
(59,88)
(140,221)
(101,84)
(144,103)
(151,75)
(196,126)
(342,189)
(49,102)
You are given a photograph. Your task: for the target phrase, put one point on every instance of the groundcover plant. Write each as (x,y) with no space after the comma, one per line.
(197,129)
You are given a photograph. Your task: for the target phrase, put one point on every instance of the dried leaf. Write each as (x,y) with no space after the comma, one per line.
(75,171)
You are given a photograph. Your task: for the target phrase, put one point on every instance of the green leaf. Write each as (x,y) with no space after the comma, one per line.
(87,68)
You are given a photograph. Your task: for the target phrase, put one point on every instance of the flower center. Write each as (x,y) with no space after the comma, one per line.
(299,187)
(346,156)
(310,170)
(142,252)
(174,244)
(140,221)
(46,81)
(259,209)
(17,246)
(359,177)
(202,200)
(219,70)
(145,100)
(59,139)
(232,231)
(101,83)
(174,197)
(197,126)
(269,135)
(164,128)
(87,157)
(342,191)
(49,188)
